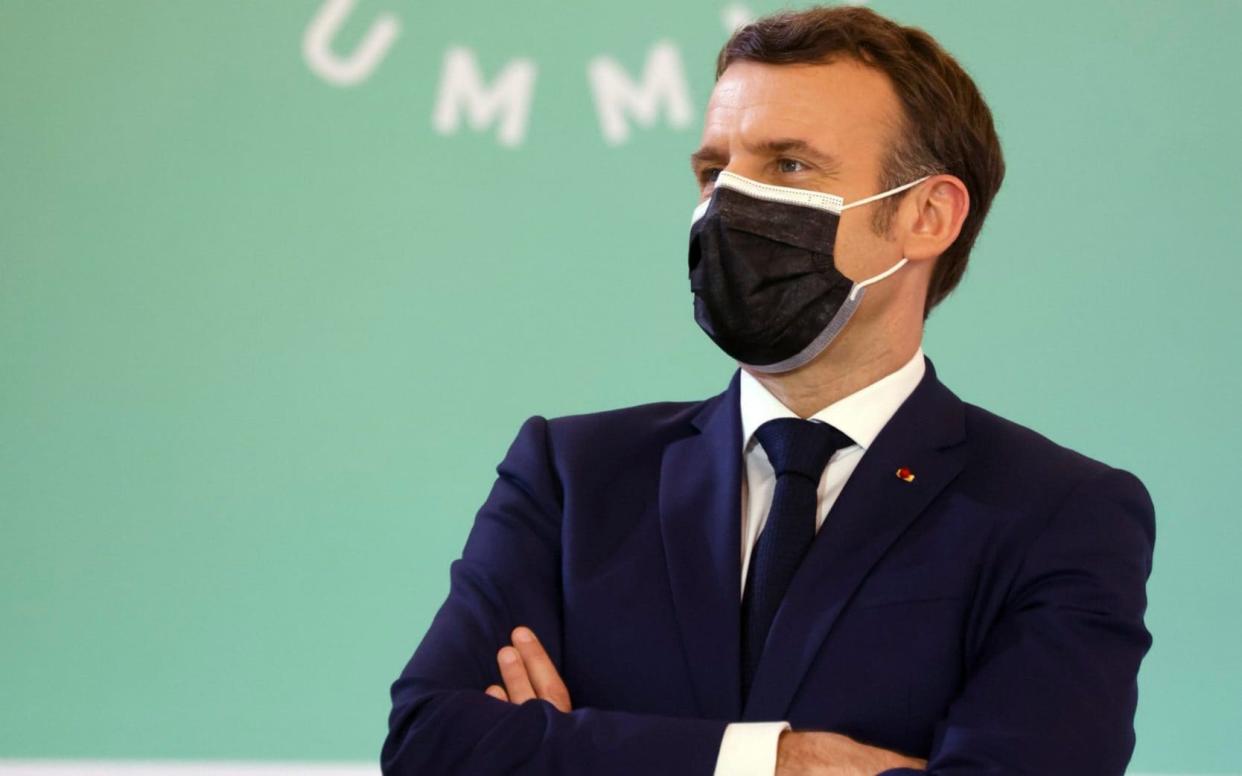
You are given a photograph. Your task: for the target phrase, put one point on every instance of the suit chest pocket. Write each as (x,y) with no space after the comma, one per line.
(925,582)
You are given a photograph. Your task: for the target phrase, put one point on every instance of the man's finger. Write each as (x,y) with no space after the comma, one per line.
(539,668)
(497,692)
(517,683)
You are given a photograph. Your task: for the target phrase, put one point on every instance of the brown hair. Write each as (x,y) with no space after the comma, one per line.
(946,127)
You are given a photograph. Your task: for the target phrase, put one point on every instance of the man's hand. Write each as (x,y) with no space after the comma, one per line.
(528,673)
(812,753)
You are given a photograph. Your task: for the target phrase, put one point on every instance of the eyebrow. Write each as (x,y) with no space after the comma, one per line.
(771,147)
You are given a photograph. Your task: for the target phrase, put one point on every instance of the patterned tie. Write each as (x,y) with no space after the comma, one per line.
(798,450)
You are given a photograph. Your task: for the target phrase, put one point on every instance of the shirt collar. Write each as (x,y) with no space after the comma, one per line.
(861,415)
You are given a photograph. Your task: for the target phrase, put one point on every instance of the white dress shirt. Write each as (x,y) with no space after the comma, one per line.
(749,748)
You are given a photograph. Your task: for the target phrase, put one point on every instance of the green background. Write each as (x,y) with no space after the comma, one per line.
(263,339)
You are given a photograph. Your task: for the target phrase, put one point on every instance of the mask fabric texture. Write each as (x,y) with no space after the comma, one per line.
(766,288)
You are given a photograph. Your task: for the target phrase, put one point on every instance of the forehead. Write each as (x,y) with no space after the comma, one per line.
(845,107)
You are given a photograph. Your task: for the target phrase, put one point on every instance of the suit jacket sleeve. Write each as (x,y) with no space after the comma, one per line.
(509,574)
(1053,688)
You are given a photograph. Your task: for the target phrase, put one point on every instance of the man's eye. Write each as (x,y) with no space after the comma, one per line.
(791,165)
(708,175)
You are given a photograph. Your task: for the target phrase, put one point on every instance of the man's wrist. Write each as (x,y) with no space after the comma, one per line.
(818,753)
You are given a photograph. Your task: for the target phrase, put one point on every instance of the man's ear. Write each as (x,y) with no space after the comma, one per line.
(934,212)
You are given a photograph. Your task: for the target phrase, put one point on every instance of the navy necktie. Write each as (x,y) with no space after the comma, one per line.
(798,450)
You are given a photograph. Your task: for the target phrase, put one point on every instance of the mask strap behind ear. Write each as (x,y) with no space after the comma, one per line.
(883,194)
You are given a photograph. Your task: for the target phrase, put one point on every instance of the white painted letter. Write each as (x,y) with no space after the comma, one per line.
(354,69)
(461,87)
(615,94)
(735,16)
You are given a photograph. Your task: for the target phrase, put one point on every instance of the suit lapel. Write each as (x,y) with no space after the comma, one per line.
(700,520)
(875,507)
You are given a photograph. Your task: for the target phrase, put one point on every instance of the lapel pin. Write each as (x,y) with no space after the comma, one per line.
(905,475)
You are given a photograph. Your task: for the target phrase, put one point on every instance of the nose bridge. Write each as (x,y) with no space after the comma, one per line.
(737,138)
(744,159)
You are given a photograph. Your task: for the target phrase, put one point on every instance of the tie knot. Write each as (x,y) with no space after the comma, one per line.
(800,446)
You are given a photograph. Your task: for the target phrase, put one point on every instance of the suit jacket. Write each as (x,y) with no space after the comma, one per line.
(986,616)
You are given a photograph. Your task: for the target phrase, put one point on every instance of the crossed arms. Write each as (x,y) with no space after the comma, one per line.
(528,673)
(1052,690)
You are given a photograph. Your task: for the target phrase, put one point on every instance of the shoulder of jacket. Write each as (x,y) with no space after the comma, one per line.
(1009,441)
(1017,467)
(637,423)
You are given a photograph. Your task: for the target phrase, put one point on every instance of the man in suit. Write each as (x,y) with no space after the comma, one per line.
(835,566)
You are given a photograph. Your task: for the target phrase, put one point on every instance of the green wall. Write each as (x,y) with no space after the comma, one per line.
(264,336)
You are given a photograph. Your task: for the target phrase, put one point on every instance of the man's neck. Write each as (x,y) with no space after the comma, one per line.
(833,376)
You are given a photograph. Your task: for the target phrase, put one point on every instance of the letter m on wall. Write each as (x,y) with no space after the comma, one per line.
(617,96)
(506,102)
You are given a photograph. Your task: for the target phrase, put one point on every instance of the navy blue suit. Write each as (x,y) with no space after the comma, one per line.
(987,616)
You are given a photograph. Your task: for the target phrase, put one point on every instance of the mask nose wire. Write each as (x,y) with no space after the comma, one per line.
(699,210)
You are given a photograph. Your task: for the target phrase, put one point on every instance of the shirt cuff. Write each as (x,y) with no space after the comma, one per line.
(749,749)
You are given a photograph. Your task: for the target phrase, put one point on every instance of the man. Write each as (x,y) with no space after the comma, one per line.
(835,566)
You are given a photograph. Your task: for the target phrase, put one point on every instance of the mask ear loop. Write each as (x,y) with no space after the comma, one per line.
(884,194)
(858,287)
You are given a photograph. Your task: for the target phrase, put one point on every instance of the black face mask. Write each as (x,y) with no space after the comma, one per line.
(766,289)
